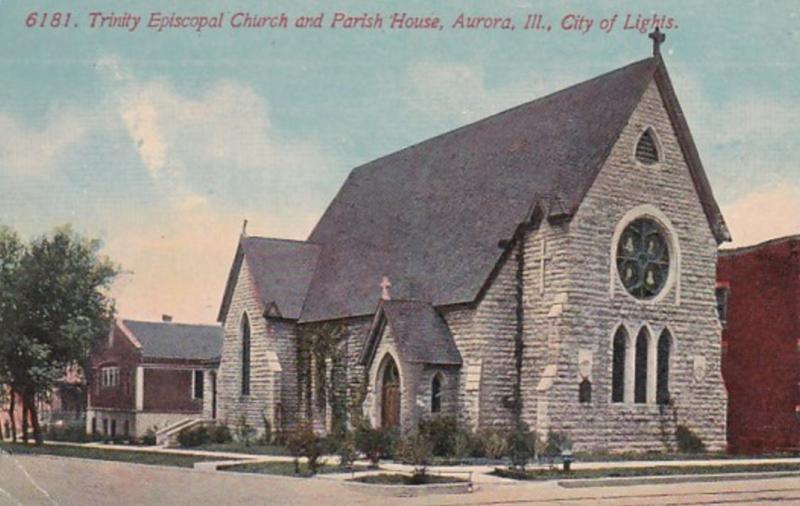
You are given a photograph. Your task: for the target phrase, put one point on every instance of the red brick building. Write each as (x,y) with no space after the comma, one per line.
(153,374)
(759,298)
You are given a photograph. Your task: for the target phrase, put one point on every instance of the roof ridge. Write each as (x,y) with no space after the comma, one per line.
(278,239)
(209,325)
(752,247)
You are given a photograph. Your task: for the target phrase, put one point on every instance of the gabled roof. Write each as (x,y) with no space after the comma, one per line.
(420,333)
(281,270)
(430,216)
(176,341)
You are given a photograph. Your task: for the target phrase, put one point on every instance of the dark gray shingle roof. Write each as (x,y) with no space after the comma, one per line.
(281,270)
(420,333)
(430,216)
(181,341)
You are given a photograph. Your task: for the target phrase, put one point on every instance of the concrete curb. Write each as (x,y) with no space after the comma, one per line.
(678,478)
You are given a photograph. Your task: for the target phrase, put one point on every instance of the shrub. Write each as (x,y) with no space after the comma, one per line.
(465,444)
(556,443)
(375,443)
(303,441)
(346,450)
(71,432)
(149,438)
(244,432)
(521,445)
(491,443)
(194,436)
(220,433)
(416,450)
(441,432)
(688,441)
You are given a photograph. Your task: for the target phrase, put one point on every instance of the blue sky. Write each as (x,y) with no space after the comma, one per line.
(161,143)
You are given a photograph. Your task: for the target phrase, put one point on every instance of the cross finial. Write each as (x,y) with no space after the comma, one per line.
(658,39)
(385,284)
(244,228)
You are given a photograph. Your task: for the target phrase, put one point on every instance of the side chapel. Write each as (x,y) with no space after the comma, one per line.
(552,264)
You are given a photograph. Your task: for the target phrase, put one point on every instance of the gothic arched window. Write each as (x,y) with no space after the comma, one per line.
(245,355)
(436,394)
(640,374)
(643,258)
(646,148)
(662,368)
(618,366)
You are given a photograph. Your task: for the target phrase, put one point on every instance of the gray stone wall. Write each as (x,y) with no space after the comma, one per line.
(265,376)
(282,338)
(581,279)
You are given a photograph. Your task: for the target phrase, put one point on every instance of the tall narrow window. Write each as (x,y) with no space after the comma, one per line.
(197,384)
(245,355)
(722,303)
(640,375)
(646,150)
(585,391)
(618,366)
(662,368)
(436,394)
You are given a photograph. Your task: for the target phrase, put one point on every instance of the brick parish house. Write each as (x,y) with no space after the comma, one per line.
(759,299)
(152,375)
(553,264)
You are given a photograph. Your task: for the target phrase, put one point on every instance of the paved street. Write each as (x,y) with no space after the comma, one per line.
(40,480)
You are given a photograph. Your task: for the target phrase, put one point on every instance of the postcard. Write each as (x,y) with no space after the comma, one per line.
(399,252)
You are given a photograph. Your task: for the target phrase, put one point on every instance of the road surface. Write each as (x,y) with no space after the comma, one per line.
(43,480)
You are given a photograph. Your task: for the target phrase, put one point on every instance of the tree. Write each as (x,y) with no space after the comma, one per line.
(59,307)
(11,251)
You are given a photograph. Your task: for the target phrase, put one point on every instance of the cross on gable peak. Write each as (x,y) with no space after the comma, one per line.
(385,284)
(658,38)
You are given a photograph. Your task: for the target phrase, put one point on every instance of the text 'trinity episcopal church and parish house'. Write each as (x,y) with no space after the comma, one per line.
(553,264)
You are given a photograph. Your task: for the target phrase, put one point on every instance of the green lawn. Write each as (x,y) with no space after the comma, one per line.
(618,472)
(287,468)
(627,457)
(255,449)
(138,457)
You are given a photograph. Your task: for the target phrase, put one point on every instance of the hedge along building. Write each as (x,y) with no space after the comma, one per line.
(553,264)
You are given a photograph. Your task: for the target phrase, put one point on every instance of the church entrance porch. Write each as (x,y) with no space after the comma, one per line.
(390,395)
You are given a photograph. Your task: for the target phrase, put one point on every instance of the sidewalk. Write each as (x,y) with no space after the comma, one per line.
(479,473)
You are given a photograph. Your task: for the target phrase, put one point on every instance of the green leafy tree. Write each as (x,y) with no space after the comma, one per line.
(60,306)
(11,251)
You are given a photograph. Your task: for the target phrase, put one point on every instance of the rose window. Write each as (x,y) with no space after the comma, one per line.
(643,258)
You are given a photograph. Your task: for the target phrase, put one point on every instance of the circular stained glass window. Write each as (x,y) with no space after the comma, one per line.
(643,258)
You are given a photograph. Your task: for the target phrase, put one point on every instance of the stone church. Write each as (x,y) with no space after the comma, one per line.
(552,264)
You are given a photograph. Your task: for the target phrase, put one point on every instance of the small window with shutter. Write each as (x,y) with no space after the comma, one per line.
(646,149)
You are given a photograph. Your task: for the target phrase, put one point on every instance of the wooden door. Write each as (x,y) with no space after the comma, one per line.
(390,405)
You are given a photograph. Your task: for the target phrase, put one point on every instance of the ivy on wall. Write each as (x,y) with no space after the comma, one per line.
(319,346)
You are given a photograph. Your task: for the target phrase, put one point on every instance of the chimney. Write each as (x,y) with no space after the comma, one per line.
(166,318)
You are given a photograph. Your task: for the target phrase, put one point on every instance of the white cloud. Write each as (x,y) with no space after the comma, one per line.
(764,214)
(36,151)
(191,143)
(460,91)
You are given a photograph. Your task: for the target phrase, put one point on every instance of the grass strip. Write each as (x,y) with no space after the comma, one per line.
(137,457)
(404,479)
(287,469)
(628,472)
(253,449)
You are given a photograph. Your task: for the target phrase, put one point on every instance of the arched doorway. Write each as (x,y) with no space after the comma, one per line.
(390,394)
